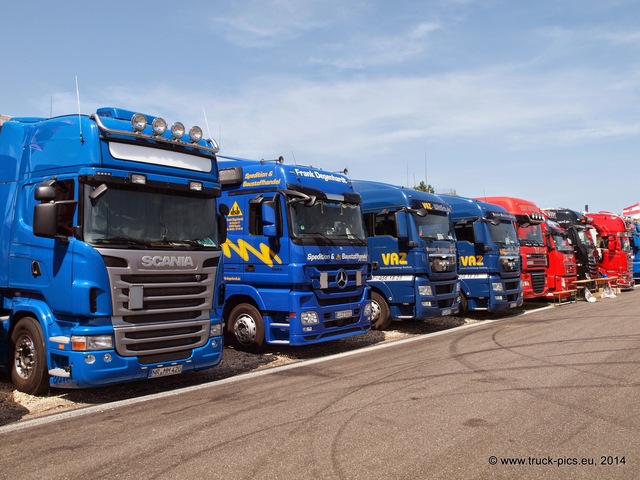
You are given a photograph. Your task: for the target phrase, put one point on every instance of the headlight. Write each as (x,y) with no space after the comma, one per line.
(215,330)
(367,309)
(91,342)
(309,318)
(497,287)
(425,290)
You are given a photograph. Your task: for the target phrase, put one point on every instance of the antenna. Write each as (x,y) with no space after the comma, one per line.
(425,161)
(51,107)
(79,118)
(294,158)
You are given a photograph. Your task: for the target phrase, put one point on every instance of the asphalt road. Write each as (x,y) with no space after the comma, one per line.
(538,394)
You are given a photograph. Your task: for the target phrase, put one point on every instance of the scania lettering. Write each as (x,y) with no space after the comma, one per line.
(488,255)
(108,272)
(413,253)
(295,261)
(533,250)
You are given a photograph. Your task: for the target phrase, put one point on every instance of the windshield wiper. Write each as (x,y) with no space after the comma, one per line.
(122,241)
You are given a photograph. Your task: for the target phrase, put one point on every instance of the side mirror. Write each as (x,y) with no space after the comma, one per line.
(45,193)
(611,243)
(270,218)
(45,220)
(402,226)
(478,234)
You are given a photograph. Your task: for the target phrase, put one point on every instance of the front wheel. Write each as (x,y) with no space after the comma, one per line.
(29,368)
(380,316)
(245,329)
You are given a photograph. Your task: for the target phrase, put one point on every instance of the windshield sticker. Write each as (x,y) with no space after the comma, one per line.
(326,257)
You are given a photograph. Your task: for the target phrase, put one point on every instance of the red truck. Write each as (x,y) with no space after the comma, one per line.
(562,270)
(533,250)
(613,242)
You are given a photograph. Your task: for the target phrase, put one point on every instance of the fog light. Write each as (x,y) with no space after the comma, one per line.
(214,343)
(107,357)
(499,297)
(138,122)
(177,130)
(195,186)
(195,134)
(159,126)
(89,359)
(309,318)
(425,304)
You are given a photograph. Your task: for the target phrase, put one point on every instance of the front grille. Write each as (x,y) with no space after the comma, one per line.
(160,310)
(538,282)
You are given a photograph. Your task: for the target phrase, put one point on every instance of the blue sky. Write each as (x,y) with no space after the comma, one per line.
(534,99)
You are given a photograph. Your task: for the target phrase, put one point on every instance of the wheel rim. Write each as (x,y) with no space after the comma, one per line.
(375,311)
(245,329)
(25,358)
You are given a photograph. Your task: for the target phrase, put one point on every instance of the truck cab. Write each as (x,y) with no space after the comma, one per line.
(295,260)
(108,272)
(413,253)
(488,255)
(562,270)
(613,246)
(533,249)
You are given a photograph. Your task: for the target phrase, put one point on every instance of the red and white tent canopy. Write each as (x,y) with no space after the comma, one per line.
(632,210)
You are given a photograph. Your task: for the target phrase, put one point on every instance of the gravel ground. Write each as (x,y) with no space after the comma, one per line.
(15,405)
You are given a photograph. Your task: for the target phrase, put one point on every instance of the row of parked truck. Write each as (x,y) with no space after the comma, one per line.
(132,250)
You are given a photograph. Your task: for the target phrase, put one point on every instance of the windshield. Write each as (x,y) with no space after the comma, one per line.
(149,217)
(327,219)
(433,226)
(560,242)
(503,233)
(530,235)
(583,238)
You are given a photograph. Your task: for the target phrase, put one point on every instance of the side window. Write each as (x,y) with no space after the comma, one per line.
(385,224)
(464,232)
(65,191)
(255,218)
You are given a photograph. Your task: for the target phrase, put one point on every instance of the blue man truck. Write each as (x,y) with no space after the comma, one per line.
(109,272)
(488,255)
(413,253)
(295,259)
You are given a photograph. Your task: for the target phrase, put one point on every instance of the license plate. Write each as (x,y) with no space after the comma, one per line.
(165,371)
(344,313)
(446,311)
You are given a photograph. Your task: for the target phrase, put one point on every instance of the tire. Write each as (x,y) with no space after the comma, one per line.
(29,371)
(245,329)
(380,316)
(464,305)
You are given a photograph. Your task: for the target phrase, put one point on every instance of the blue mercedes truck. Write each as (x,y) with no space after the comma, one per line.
(413,253)
(109,273)
(295,260)
(488,255)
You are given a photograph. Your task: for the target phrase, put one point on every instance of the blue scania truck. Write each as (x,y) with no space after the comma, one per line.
(413,253)
(109,273)
(488,255)
(295,259)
